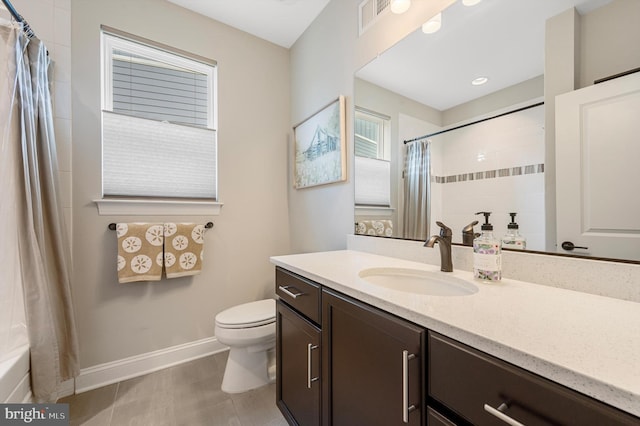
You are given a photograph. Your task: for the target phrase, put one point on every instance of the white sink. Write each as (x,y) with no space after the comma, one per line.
(418,281)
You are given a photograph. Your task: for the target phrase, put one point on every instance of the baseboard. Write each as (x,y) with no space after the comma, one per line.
(127,368)
(67,388)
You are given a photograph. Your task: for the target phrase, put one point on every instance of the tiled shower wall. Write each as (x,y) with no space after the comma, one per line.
(51,21)
(495,166)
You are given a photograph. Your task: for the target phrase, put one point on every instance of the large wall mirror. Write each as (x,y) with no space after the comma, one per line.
(460,120)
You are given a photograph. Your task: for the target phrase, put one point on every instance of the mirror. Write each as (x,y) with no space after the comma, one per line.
(422,86)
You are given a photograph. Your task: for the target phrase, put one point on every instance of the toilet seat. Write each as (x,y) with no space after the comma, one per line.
(247,315)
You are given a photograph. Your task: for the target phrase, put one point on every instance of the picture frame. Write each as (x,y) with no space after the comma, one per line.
(320,155)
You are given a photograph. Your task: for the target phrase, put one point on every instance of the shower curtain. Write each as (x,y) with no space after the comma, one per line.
(37,225)
(417,179)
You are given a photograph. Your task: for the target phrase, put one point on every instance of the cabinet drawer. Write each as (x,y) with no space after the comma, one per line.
(436,419)
(300,293)
(467,381)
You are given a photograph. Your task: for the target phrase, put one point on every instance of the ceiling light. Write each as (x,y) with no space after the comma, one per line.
(433,24)
(479,81)
(470,2)
(400,6)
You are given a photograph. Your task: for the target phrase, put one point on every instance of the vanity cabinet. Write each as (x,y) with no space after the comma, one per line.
(298,349)
(372,365)
(342,362)
(485,390)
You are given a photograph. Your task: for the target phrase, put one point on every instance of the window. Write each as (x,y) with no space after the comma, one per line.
(372,165)
(158,121)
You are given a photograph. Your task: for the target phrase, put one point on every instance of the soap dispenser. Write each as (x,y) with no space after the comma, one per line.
(487,253)
(513,239)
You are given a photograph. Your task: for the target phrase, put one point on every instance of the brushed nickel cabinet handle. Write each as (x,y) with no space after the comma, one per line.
(499,413)
(406,408)
(285,290)
(310,380)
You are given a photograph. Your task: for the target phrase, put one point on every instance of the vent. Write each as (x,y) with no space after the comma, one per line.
(369,11)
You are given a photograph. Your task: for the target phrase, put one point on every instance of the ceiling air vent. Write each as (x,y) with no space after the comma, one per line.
(369,11)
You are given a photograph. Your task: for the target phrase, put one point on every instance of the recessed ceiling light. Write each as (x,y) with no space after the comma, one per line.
(479,81)
(433,24)
(400,6)
(470,2)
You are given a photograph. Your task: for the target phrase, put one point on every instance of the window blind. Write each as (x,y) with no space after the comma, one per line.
(143,157)
(372,182)
(151,89)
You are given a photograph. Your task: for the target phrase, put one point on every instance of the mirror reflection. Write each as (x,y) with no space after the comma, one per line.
(452,123)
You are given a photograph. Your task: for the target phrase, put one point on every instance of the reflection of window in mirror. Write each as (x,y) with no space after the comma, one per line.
(371,135)
(372,151)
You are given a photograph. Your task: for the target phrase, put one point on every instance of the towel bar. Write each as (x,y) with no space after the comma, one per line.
(112,226)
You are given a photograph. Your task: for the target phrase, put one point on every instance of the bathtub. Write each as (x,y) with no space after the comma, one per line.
(14,376)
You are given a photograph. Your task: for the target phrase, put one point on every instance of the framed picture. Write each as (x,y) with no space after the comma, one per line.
(319,151)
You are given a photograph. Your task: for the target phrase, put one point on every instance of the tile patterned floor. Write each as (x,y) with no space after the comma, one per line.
(187,394)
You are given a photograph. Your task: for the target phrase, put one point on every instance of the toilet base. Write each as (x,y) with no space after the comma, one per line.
(246,370)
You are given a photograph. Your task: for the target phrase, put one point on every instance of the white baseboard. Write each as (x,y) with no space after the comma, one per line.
(67,388)
(127,368)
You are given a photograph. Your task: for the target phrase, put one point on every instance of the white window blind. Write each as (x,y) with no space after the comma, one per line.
(158,122)
(372,182)
(157,159)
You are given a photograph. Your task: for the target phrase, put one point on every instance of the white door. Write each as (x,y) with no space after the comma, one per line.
(598,169)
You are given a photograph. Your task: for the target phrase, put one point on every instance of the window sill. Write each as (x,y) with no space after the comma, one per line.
(374,211)
(122,206)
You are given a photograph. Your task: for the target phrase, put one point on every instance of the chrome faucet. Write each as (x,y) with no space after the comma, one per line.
(445,251)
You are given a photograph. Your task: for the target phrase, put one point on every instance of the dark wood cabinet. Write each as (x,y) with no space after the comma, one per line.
(436,419)
(298,389)
(372,365)
(341,362)
(485,390)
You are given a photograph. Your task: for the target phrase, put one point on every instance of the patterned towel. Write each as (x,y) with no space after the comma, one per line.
(139,251)
(381,228)
(183,249)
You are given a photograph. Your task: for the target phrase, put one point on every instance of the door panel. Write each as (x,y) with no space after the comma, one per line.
(598,168)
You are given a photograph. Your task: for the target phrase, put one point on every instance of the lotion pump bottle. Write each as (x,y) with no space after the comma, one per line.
(513,239)
(487,253)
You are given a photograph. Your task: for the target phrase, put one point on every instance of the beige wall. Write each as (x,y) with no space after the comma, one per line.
(120,320)
(323,63)
(609,41)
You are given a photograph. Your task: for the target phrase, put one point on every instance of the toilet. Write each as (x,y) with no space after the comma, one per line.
(250,332)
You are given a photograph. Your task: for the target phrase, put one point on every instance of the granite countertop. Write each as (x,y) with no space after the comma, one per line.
(586,342)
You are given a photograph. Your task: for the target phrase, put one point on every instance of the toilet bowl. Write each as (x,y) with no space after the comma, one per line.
(250,332)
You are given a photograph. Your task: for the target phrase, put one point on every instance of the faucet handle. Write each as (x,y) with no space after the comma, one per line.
(445,231)
(468,235)
(469,228)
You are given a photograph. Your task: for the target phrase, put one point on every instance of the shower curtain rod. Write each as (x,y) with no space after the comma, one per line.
(473,122)
(25,25)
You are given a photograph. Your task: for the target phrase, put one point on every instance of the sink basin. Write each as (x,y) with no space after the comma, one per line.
(418,281)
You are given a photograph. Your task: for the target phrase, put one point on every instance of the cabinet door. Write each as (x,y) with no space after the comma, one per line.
(298,369)
(372,366)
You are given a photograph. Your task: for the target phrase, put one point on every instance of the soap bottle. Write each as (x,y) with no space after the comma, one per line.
(513,239)
(487,253)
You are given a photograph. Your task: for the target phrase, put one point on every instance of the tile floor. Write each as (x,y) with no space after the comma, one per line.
(187,394)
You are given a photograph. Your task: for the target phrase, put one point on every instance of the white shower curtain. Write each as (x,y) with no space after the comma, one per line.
(417,185)
(37,223)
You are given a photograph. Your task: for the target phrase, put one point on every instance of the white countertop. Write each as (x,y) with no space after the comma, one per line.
(586,342)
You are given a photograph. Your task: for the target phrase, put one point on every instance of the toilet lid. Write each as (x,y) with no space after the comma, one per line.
(251,314)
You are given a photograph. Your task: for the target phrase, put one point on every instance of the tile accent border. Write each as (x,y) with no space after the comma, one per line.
(490,174)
